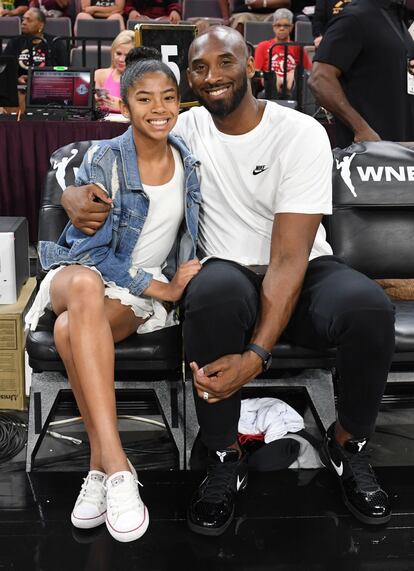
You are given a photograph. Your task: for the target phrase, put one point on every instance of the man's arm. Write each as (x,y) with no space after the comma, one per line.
(19,11)
(87,207)
(292,239)
(324,82)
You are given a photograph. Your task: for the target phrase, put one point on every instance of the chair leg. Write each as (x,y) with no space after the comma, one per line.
(43,395)
(170,397)
(191,422)
(322,399)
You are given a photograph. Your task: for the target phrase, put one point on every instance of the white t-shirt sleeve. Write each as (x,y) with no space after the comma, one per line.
(182,127)
(306,182)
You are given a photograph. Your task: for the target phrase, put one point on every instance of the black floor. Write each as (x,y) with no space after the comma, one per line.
(286,520)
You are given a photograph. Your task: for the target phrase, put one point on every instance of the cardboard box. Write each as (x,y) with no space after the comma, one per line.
(12,342)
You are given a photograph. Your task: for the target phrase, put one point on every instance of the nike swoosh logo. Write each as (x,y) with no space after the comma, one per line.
(259,170)
(338,469)
(240,482)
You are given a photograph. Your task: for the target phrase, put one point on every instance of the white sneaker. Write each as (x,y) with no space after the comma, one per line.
(90,506)
(127,517)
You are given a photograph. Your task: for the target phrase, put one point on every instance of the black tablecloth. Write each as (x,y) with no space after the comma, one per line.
(25,148)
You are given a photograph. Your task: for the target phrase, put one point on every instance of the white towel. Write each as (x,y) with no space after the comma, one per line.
(269,416)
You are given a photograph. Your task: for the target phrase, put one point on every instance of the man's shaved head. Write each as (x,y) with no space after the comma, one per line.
(231,40)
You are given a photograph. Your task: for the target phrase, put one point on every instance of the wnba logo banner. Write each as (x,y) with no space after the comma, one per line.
(373,172)
(173,42)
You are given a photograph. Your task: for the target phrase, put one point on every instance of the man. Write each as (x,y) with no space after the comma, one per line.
(34,48)
(250,11)
(362,73)
(282,27)
(325,10)
(265,174)
(153,10)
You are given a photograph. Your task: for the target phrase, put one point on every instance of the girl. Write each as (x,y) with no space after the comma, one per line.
(107,79)
(107,286)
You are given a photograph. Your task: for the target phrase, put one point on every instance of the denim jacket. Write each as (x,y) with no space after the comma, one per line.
(113,165)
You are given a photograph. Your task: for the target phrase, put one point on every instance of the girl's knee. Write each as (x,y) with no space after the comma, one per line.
(86,285)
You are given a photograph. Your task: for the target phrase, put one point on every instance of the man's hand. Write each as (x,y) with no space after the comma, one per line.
(366,134)
(134,15)
(317,41)
(86,213)
(226,376)
(174,17)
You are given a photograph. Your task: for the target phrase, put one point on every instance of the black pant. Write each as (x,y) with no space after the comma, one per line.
(338,307)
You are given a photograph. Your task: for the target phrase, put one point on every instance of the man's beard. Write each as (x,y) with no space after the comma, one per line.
(224,108)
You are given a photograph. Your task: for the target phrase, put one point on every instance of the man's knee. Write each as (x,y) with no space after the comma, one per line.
(220,284)
(369,315)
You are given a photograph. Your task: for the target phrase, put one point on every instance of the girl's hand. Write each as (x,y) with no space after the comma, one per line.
(183,276)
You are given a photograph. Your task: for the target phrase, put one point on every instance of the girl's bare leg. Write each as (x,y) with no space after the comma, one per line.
(87,326)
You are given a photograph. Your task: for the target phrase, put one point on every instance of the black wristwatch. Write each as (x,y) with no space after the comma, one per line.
(265,355)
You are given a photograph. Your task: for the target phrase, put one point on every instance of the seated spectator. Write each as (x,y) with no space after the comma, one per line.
(102,9)
(250,11)
(107,80)
(14,7)
(34,48)
(51,8)
(153,10)
(282,26)
(325,10)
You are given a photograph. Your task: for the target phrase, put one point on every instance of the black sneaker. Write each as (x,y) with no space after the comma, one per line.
(361,492)
(211,509)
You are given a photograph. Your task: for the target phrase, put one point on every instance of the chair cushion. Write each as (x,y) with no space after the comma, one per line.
(162,350)
(286,355)
(157,351)
(404,326)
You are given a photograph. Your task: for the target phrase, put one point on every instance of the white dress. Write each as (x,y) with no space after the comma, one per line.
(165,214)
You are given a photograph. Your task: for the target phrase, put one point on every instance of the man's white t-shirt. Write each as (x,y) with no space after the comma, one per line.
(283,165)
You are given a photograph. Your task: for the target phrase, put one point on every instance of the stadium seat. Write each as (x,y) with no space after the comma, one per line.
(59,27)
(132,23)
(89,57)
(201,8)
(256,32)
(9,27)
(106,30)
(303,32)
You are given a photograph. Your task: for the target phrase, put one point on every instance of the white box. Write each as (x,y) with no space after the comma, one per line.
(14,257)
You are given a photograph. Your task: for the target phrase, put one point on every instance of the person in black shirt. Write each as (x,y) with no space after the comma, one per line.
(34,48)
(362,71)
(325,10)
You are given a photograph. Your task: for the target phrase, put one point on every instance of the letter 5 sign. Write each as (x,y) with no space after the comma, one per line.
(173,42)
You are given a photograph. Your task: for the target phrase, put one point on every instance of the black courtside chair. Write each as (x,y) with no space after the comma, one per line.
(372,227)
(150,362)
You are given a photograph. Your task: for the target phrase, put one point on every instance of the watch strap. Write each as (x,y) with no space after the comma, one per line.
(259,351)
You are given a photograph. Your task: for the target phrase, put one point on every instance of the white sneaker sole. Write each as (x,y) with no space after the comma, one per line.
(133,534)
(88,523)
